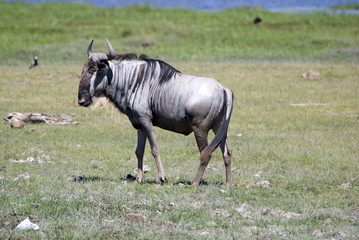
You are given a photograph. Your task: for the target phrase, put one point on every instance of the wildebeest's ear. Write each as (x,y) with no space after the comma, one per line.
(101,64)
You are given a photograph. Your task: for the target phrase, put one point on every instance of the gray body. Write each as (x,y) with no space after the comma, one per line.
(152,93)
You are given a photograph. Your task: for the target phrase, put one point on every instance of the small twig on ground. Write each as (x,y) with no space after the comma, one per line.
(307,104)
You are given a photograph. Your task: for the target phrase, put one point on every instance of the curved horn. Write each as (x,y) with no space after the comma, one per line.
(89,49)
(110,48)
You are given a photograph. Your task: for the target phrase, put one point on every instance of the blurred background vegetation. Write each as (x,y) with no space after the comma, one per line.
(60,32)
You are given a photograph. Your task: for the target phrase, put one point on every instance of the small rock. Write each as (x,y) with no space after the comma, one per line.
(264,184)
(26,225)
(345,185)
(311,75)
(181,185)
(38,159)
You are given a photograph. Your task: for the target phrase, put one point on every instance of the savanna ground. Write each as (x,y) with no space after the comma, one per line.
(78,187)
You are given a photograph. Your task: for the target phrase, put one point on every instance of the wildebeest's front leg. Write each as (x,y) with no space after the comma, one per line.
(141,143)
(148,129)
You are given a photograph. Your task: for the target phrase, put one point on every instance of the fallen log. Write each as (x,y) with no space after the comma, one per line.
(17,120)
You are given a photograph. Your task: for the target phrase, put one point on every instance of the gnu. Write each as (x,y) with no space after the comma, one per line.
(153,93)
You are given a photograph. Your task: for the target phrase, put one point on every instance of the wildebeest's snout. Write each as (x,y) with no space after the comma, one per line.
(84,99)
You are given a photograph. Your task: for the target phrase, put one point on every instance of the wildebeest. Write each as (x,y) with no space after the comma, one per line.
(153,93)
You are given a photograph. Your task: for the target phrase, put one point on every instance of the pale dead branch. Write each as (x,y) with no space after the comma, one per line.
(17,120)
(307,104)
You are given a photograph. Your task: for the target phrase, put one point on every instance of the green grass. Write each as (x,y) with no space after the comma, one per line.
(306,153)
(354,6)
(59,34)
(310,155)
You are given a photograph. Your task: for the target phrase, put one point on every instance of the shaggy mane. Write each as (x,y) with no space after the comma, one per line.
(166,70)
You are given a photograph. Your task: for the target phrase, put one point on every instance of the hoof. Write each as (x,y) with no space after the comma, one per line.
(139,180)
(161,180)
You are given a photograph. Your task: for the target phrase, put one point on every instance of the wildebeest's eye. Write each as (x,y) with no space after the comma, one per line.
(101,64)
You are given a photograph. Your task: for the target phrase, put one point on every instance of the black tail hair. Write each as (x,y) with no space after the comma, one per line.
(221,134)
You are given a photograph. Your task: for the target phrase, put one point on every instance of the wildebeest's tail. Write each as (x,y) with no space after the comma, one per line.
(221,134)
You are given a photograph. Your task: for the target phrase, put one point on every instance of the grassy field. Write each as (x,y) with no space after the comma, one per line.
(59,33)
(354,6)
(308,154)
(78,188)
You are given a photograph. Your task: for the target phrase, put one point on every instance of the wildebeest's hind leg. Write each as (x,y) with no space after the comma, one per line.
(148,129)
(202,142)
(141,143)
(227,154)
